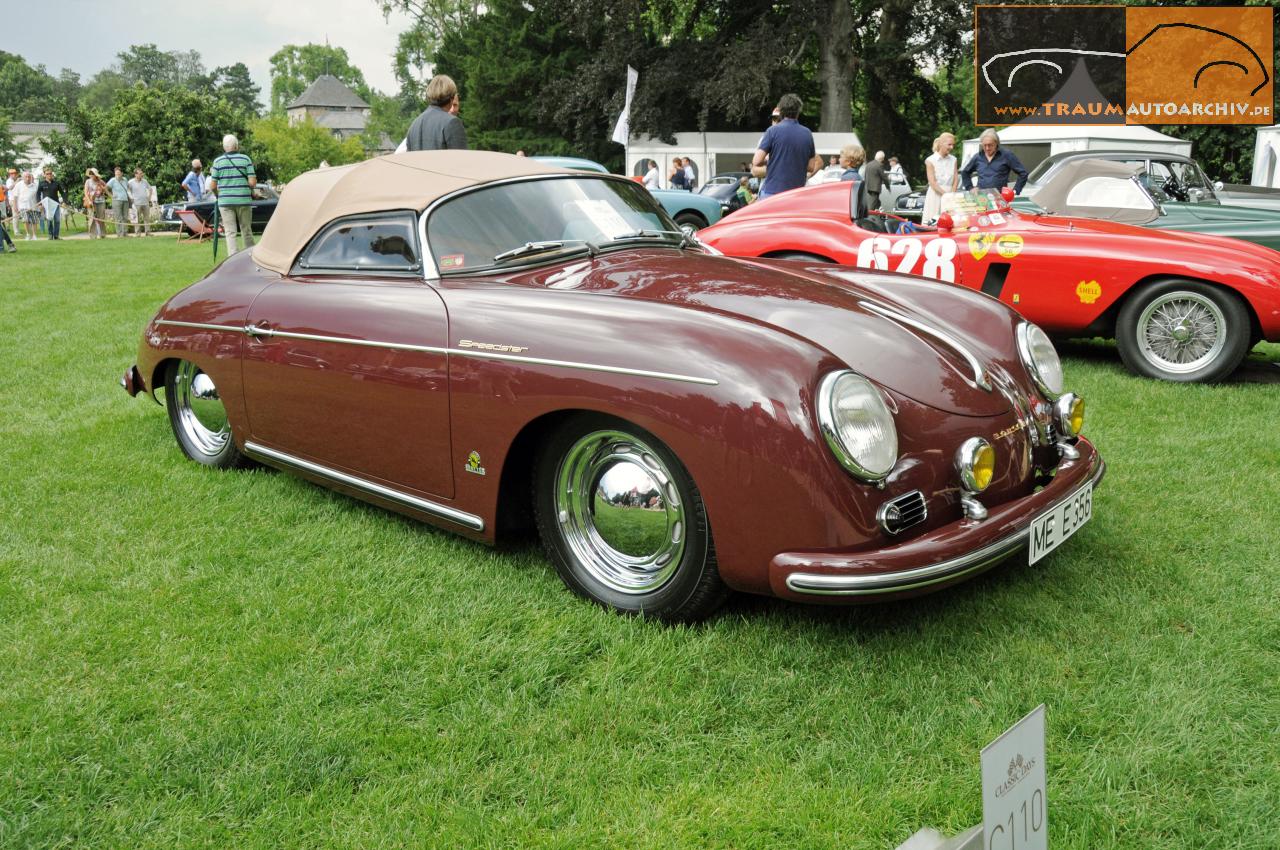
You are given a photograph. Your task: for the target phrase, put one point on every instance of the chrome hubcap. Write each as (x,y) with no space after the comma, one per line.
(200,412)
(1181,332)
(620,512)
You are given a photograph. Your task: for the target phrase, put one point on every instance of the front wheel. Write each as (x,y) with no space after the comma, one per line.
(198,417)
(1183,331)
(623,522)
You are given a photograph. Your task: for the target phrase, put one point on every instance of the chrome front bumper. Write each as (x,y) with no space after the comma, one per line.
(908,567)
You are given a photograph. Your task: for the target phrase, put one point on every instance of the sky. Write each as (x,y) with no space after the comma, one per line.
(92,32)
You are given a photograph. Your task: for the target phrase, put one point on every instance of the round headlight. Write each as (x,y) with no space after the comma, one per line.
(1040,358)
(976,463)
(1070,414)
(857,425)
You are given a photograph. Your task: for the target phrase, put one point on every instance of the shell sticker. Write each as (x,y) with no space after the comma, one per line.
(1009,245)
(1088,291)
(980,244)
(473,464)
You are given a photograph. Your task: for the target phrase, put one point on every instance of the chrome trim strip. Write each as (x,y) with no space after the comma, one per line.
(827,584)
(979,374)
(460,352)
(204,326)
(462,518)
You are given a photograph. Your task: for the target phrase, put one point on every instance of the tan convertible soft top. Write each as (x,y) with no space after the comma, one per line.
(402,181)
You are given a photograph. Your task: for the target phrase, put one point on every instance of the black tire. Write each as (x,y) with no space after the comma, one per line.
(1182,330)
(687,220)
(640,552)
(799,255)
(198,418)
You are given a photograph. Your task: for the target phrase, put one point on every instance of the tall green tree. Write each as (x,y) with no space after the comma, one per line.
(11,153)
(284,150)
(159,129)
(233,83)
(147,64)
(294,67)
(29,93)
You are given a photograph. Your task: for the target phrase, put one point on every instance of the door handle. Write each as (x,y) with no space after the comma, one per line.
(259,330)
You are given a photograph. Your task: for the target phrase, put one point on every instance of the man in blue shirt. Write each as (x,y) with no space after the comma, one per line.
(992,164)
(788,147)
(193,183)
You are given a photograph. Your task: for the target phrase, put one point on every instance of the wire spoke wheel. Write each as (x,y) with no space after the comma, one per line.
(1181,331)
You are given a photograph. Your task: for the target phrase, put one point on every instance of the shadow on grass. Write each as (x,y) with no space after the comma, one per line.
(1261,366)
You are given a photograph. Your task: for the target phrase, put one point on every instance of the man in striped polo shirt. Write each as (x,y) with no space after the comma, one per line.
(232,181)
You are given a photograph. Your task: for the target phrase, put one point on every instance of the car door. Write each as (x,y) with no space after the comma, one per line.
(345,365)
(927,253)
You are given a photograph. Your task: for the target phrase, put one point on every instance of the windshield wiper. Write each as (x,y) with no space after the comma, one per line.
(540,247)
(685,241)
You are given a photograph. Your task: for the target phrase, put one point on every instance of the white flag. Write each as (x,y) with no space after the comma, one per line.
(622,130)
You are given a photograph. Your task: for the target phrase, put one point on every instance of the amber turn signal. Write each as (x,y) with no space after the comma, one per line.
(976,463)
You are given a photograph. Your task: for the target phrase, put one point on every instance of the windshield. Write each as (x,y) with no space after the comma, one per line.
(477,229)
(1037,173)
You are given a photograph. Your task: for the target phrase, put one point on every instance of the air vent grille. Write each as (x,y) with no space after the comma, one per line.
(898,514)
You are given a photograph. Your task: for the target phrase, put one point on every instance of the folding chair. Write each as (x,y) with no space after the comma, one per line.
(198,229)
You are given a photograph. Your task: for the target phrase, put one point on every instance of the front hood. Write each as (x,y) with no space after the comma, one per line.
(836,309)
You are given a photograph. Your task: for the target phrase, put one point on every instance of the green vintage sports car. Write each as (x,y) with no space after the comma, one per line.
(689,210)
(1262,227)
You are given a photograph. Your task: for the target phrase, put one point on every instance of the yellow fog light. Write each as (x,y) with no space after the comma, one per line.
(976,463)
(1070,414)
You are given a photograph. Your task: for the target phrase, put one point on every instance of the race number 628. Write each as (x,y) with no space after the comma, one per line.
(939,256)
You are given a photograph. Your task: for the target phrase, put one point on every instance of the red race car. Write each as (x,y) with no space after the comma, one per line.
(1181,307)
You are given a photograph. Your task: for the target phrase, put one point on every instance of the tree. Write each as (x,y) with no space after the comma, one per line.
(11,153)
(233,83)
(147,64)
(285,150)
(159,129)
(294,67)
(27,93)
(432,21)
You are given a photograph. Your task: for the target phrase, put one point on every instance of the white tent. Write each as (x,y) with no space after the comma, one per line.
(1266,157)
(1032,143)
(713,153)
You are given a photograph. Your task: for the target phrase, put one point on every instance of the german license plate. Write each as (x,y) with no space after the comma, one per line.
(1051,528)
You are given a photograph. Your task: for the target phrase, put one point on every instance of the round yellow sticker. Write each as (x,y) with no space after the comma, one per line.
(1088,291)
(1009,245)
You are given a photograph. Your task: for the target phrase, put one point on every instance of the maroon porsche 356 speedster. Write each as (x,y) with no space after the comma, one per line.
(489,344)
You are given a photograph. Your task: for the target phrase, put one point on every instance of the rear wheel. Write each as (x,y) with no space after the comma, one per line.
(623,522)
(1183,331)
(690,222)
(198,417)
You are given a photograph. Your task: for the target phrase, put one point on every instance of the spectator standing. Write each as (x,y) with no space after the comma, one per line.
(27,191)
(690,176)
(119,202)
(439,127)
(652,179)
(193,183)
(895,172)
(742,195)
(875,177)
(140,198)
(851,159)
(95,203)
(4,215)
(675,177)
(992,164)
(788,147)
(11,180)
(6,240)
(941,170)
(49,194)
(233,182)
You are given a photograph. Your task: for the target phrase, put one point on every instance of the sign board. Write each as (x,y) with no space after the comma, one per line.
(1014,810)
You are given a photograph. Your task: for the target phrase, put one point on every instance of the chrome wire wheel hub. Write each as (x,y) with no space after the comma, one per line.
(1181,332)
(620,512)
(201,415)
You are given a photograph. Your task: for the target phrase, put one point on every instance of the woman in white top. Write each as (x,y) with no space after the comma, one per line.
(944,177)
(651,178)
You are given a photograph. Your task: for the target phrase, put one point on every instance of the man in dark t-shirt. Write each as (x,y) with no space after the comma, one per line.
(788,147)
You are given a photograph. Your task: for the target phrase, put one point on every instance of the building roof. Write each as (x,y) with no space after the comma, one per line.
(402,181)
(35,128)
(328,90)
(341,121)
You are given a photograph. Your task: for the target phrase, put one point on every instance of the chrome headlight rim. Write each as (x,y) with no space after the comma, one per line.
(1025,330)
(967,458)
(831,431)
(1063,409)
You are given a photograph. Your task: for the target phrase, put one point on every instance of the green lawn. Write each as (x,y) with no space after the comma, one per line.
(199,659)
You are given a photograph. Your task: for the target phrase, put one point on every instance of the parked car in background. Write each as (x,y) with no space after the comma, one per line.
(490,344)
(264,206)
(690,210)
(1181,306)
(723,185)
